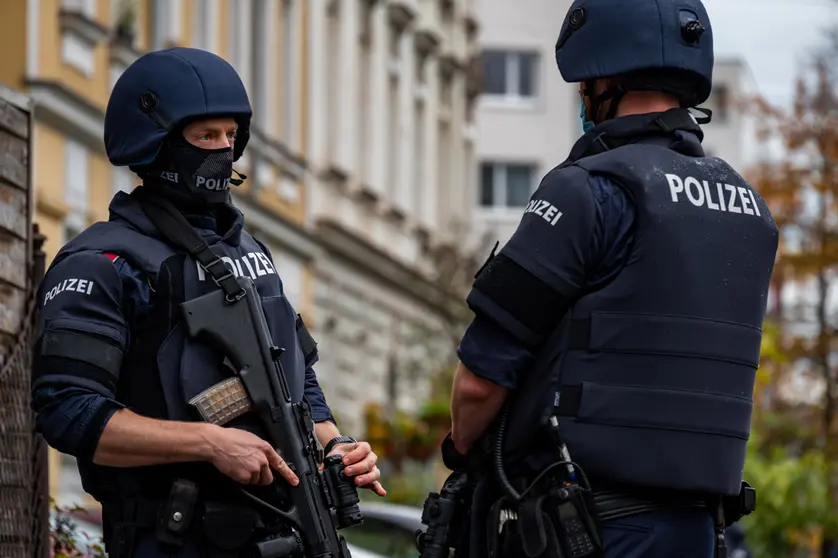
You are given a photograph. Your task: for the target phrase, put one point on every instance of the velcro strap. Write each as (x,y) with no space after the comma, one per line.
(86,348)
(667,335)
(307,342)
(666,408)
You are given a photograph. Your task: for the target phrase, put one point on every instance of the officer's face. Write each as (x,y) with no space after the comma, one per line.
(214,133)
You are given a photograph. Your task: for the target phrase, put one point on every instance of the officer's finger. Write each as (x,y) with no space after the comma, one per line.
(358,453)
(265,475)
(280,466)
(254,477)
(368,478)
(377,488)
(364,466)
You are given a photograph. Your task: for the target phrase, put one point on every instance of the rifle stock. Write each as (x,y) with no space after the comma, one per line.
(323,501)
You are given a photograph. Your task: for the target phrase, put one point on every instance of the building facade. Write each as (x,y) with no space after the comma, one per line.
(528,118)
(727,134)
(391,140)
(361,152)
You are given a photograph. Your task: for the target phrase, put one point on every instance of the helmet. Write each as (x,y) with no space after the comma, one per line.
(637,39)
(164,90)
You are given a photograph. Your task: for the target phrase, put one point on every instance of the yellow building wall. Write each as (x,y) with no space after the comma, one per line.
(94,88)
(13,42)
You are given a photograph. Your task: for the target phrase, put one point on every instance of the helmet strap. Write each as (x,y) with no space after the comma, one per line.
(615,95)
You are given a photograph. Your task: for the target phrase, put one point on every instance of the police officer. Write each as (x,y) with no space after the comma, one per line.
(624,314)
(115,373)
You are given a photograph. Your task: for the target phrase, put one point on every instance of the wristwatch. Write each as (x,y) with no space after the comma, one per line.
(338,440)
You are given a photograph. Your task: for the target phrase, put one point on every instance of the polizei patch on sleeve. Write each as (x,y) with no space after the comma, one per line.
(545,210)
(718,196)
(71,284)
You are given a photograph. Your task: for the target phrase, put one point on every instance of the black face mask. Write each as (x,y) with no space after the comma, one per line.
(191,173)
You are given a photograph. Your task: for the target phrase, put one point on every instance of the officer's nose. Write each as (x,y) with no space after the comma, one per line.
(223,142)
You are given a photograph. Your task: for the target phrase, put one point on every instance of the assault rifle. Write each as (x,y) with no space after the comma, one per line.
(231,318)
(322,502)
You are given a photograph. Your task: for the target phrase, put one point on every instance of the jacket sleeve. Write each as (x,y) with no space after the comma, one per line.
(543,268)
(320,411)
(79,343)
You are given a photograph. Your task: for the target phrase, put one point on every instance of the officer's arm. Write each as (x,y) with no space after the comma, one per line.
(475,403)
(524,290)
(81,338)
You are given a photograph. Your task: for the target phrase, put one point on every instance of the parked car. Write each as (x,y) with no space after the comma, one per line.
(388,531)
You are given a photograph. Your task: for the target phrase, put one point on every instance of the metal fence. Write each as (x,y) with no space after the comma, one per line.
(24,480)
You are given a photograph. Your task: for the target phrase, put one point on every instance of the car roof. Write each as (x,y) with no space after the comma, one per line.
(406,517)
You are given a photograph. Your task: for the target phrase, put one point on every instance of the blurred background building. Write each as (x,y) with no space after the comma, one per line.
(361,156)
(383,129)
(528,117)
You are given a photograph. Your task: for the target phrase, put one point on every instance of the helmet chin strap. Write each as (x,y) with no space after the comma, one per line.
(615,95)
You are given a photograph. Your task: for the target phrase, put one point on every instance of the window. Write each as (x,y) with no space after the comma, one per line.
(85,7)
(78,53)
(510,75)
(166,23)
(719,103)
(506,185)
(76,183)
(239,38)
(290,84)
(204,24)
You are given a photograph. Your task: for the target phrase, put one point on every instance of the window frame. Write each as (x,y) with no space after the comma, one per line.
(500,184)
(512,61)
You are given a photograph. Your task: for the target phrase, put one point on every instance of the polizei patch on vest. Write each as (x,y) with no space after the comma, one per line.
(545,210)
(252,264)
(71,284)
(717,196)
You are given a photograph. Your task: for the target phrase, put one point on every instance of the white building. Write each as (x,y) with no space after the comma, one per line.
(528,118)
(727,134)
(392,157)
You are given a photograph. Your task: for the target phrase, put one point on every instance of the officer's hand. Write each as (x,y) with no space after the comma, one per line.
(360,462)
(247,458)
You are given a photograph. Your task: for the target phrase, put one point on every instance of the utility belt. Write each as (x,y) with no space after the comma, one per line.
(563,519)
(556,513)
(222,529)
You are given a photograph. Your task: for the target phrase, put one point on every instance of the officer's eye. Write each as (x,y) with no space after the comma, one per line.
(231,135)
(205,137)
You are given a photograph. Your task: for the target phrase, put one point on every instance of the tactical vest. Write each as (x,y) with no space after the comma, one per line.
(652,376)
(163,369)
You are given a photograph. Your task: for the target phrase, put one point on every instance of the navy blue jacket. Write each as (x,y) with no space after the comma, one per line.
(487,348)
(72,419)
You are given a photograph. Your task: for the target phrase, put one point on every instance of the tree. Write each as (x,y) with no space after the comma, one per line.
(792,505)
(801,188)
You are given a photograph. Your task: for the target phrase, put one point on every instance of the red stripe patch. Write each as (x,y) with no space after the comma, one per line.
(112,257)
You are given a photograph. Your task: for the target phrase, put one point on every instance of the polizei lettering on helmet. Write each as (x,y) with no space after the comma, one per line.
(545,210)
(252,264)
(71,284)
(717,196)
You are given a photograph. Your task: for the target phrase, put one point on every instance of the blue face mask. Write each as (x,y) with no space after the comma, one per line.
(587,125)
